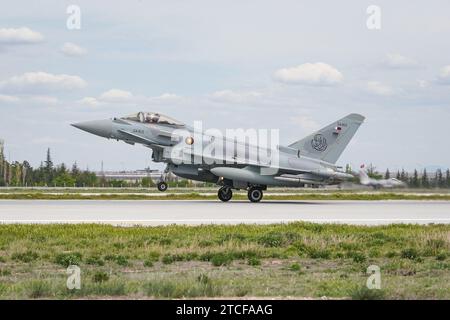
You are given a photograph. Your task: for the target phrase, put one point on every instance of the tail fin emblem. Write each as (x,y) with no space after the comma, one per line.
(319,142)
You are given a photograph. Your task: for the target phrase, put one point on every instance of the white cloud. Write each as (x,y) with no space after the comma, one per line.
(45,100)
(444,75)
(122,96)
(19,36)
(397,61)
(8,99)
(90,101)
(42,81)
(72,50)
(235,96)
(423,83)
(116,95)
(165,98)
(378,88)
(27,99)
(319,73)
(305,122)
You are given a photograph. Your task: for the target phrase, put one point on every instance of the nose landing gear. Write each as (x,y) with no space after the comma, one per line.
(225,194)
(162,186)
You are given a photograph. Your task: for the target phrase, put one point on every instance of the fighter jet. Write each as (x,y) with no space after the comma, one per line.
(365,180)
(309,162)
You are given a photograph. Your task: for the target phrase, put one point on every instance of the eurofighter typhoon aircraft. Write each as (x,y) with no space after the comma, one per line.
(365,180)
(234,164)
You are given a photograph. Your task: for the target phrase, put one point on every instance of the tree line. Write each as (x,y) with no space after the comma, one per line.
(438,179)
(22,174)
(47,174)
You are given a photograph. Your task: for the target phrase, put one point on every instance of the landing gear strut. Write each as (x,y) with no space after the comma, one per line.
(254,194)
(162,186)
(225,194)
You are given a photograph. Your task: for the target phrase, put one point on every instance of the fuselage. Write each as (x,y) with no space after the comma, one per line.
(163,138)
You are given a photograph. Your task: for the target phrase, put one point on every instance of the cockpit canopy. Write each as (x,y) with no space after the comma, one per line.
(153,117)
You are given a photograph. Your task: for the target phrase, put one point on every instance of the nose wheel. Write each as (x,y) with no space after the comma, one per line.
(255,194)
(162,186)
(225,194)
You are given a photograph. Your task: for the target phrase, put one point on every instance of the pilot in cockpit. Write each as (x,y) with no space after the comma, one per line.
(152,118)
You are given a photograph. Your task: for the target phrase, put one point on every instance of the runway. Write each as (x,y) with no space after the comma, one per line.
(194,212)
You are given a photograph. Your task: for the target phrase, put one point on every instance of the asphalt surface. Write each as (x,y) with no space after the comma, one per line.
(192,212)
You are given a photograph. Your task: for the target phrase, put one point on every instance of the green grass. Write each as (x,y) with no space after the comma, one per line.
(363,293)
(100,276)
(38,289)
(69,258)
(202,286)
(295,259)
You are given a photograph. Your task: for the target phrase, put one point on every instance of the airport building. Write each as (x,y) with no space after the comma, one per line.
(129,176)
(136,176)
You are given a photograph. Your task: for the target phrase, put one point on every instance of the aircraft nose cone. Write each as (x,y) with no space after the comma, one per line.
(100,128)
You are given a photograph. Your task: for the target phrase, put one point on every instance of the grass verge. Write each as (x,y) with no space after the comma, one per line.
(279,260)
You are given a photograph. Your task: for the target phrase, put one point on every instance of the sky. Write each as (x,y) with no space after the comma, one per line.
(289,65)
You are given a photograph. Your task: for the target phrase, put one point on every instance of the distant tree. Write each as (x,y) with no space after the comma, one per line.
(27,174)
(118,183)
(48,168)
(348,168)
(62,177)
(39,175)
(64,180)
(372,172)
(85,179)
(16,174)
(438,179)
(75,170)
(447,178)
(403,176)
(2,165)
(387,175)
(147,182)
(370,169)
(415,179)
(398,175)
(425,181)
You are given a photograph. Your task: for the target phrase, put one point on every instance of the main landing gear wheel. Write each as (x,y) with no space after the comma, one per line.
(255,194)
(162,186)
(225,194)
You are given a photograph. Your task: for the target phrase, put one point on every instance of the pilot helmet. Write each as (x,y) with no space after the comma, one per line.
(154,117)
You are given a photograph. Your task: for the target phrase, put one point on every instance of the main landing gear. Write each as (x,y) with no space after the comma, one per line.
(254,194)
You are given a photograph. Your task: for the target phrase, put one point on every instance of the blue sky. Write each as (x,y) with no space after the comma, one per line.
(290,65)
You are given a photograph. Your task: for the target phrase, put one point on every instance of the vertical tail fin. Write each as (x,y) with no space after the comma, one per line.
(328,143)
